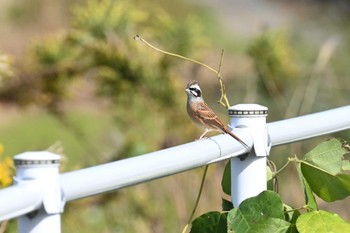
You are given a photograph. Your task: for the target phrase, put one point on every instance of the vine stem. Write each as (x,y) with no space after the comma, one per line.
(226,104)
(197,200)
(138,37)
(223,99)
(299,208)
(284,166)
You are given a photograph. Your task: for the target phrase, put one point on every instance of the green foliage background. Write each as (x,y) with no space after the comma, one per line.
(93,94)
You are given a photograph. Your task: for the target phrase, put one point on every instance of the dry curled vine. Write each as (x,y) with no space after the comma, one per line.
(223,99)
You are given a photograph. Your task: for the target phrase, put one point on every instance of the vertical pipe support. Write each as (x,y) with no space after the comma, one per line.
(248,173)
(41,171)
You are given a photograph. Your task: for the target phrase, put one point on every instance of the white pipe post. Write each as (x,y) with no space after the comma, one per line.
(40,170)
(248,173)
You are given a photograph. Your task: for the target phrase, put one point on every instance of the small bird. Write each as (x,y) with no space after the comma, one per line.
(202,115)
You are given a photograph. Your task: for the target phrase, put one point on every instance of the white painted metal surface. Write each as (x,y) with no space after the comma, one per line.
(248,175)
(248,178)
(18,200)
(38,173)
(123,173)
(309,126)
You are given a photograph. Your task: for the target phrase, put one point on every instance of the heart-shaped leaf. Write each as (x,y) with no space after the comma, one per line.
(328,156)
(325,185)
(309,196)
(211,222)
(263,213)
(321,222)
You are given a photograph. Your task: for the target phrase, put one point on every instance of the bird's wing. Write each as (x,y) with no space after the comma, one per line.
(208,117)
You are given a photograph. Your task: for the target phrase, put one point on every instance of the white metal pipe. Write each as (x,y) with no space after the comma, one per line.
(248,174)
(177,159)
(150,166)
(40,171)
(309,126)
(18,200)
(40,223)
(248,178)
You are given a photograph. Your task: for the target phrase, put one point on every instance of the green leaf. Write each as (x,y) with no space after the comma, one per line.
(309,196)
(328,156)
(291,215)
(263,213)
(346,165)
(325,185)
(226,179)
(321,222)
(226,205)
(212,222)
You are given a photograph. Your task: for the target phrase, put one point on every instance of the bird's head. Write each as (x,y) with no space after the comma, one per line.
(193,90)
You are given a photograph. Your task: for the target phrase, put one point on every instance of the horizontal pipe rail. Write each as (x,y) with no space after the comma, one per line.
(127,172)
(177,159)
(123,173)
(309,126)
(18,200)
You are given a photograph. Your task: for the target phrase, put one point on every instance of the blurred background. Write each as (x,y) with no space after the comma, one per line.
(74,81)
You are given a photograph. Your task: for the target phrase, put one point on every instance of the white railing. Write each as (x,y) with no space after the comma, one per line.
(42,192)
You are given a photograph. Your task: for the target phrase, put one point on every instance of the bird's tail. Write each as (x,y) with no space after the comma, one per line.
(237,138)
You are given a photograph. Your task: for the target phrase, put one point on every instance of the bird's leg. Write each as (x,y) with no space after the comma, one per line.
(205,132)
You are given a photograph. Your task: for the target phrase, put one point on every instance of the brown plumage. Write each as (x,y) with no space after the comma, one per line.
(201,114)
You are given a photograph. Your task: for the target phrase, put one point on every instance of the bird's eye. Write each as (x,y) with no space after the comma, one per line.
(195,91)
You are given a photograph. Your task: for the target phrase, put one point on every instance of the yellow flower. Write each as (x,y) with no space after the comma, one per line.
(6,169)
